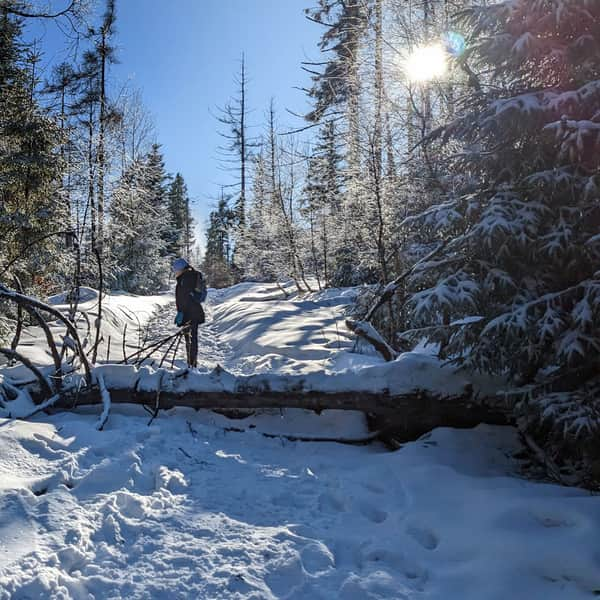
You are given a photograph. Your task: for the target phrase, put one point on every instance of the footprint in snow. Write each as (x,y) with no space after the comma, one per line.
(372,513)
(373,487)
(44,447)
(331,503)
(317,558)
(425,538)
(129,506)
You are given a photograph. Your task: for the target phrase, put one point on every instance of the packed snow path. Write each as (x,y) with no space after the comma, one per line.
(189,508)
(211,349)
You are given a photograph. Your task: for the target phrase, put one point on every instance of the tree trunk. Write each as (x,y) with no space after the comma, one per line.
(409,414)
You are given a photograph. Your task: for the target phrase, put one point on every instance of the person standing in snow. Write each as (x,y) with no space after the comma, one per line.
(190,292)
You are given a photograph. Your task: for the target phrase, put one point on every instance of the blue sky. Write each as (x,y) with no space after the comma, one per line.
(183,55)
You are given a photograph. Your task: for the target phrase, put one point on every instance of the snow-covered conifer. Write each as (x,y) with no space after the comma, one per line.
(522,222)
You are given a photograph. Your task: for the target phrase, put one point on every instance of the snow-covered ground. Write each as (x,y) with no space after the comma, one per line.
(199,506)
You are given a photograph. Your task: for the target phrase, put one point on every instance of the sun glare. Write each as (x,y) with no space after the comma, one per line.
(426,63)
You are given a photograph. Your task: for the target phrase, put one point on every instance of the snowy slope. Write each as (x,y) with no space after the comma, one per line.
(189,508)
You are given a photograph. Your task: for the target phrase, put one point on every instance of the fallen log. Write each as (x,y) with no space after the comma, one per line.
(405,392)
(407,416)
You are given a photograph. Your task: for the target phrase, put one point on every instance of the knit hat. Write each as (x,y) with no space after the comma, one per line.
(180,264)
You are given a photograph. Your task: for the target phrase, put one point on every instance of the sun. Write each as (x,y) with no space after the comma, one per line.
(426,63)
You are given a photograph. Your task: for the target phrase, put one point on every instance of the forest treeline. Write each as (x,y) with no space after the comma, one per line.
(82,178)
(494,162)
(489,167)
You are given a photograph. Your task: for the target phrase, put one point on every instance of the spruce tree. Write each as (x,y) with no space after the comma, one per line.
(181,229)
(30,165)
(156,186)
(323,205)
(217,265)
(523,249)
(138,250)
(255,246)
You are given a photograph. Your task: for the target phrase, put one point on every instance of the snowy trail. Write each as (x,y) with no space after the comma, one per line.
(188,508)
(212,351)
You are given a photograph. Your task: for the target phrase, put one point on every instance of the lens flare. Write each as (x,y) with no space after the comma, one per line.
(455,43)
(426,63)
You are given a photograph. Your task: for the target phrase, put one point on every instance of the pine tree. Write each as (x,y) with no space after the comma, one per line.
(105,55)
(255,246)
(137,248)
(217,265)
(96,115)
(323,204)
(337,84)
(336,88)
(156,185)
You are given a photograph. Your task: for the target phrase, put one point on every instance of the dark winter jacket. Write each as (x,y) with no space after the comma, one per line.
(186,282)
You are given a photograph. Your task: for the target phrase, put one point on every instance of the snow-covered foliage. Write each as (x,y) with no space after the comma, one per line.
(522,220)
(139,228)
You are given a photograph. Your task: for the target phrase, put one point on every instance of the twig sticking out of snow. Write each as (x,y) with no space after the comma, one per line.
(152,348)
(176,339)
(98,321)
(154,413)
(43,406)
(368,332)
(123,343)
(175,351)
(20,318)
(105,402)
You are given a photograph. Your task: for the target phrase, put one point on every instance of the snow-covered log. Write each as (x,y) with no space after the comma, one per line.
(419,391)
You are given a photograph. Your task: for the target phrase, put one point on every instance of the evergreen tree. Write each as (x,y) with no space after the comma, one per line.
(138,249)
(522,226)
(336,91)
(30,164)
(181,231)
(255,246)
(337,84)
(217,265)
(323,204)
(156,185)
(104,55)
